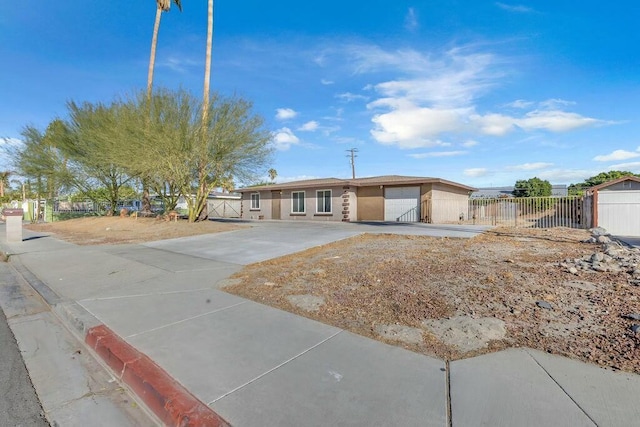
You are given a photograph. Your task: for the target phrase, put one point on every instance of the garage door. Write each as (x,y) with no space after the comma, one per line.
(619,212)
(402,204)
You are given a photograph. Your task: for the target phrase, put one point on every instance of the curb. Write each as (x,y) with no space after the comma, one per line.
(173,404)
(163,395)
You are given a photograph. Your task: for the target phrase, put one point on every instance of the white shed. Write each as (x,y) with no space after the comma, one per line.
(616,206)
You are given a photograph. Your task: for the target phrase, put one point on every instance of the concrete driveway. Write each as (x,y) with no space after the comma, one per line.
(630,240)
(271,239)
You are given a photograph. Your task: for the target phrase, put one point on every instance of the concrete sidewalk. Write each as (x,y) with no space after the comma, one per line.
(254,365)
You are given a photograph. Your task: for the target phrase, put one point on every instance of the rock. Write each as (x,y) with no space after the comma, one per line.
(635,329)
(590,240)
(598,231)
(466,333)
(306,302)
(604,239)
(597,257)
(544,304)
(632,316)
(581,284)
(402,333)
(573,270)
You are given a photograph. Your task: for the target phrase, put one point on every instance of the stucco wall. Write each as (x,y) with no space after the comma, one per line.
(311,213)
(370,204)
(265,206)
(447,203)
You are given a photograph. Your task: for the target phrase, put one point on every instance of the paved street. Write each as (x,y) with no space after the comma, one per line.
(19,404)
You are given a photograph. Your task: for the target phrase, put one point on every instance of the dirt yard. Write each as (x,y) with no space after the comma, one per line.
(114,230)
(450,298)
(455,298)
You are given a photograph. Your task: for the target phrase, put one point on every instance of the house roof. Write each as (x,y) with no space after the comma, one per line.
(358,182)
(615,181)
(223,195)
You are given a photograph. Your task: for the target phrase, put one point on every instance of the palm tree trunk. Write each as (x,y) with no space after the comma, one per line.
(152,58)
(146,199)
(207,64)
(198,212)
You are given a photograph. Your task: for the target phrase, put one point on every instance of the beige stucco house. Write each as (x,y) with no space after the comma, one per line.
(380,198)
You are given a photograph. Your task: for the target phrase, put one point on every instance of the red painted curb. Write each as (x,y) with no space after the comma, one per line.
(163,395)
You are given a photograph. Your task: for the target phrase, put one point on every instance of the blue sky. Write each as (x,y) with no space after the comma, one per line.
(483,93)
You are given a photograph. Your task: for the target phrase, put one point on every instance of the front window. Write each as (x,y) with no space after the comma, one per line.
(255,201)
(297,202)
(323,201)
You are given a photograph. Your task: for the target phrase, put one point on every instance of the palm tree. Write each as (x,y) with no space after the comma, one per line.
(200,168)
(207,63)
(162,6)
(272,174)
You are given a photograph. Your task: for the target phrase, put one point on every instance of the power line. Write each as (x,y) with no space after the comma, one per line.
(353,156)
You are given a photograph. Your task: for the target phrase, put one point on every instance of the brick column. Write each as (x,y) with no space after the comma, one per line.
(345,204)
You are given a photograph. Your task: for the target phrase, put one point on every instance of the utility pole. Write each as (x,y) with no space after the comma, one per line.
(353,156)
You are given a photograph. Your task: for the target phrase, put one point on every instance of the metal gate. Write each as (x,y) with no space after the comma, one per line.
(534,212)
(224,208)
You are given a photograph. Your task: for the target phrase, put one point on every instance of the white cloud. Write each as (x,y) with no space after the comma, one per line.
(411,20)
(437,154)
(470,143)
(553,104)
(555,121)
(493,124)
(434,95)
(180,65)
(309,126)
(348,97)
(531,166)
(520,103)
(617,155)
(284,138)
(514,8)
(326,82)
(409,126)
(476,172)
(285,113)
(456,80)
(632,167)
(552,121)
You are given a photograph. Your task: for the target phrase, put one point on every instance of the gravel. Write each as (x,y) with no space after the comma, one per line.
(428,294)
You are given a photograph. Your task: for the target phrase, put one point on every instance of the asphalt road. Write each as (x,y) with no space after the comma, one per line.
(19,405)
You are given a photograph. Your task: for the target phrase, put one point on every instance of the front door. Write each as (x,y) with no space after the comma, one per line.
(275,205)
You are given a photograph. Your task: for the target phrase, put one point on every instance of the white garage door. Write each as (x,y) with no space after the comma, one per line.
(619,212)
(402,204)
